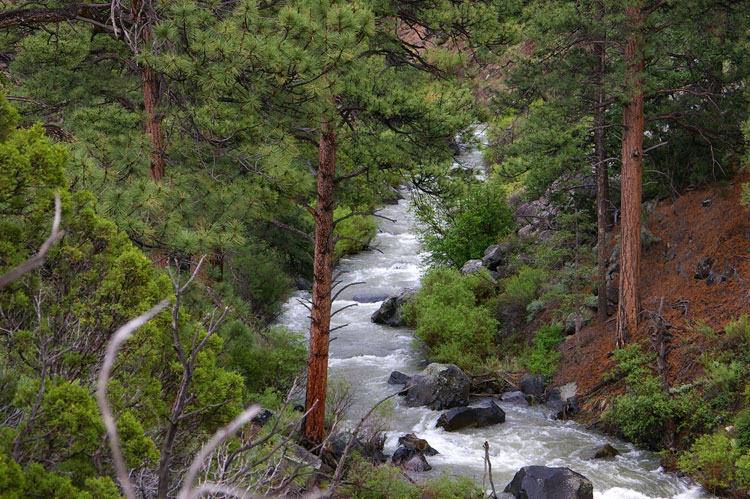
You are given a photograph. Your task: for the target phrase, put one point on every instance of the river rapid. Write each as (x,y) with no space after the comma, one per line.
(364,354)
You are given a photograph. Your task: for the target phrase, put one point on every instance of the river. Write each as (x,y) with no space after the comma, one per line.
(364,354)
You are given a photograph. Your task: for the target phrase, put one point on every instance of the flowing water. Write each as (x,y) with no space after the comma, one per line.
(364,354)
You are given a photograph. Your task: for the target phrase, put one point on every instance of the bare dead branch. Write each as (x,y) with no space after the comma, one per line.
(188,491)
(38,259)
(122,334)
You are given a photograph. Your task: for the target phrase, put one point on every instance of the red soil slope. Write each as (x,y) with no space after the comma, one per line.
(709,222)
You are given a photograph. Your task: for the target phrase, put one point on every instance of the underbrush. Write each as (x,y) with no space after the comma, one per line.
(704,427)
(451,318)
(366,481)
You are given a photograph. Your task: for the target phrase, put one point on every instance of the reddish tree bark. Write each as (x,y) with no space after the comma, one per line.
(630,203)
(152,125)
(151,93)
(320,324)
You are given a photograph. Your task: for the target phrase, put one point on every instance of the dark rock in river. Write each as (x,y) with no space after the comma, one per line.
(516,398)
(411,453)
(534,385)
(471,417)
(439,386)
(605,451)
(541,482)
(390,312)
(369,297)
(411,441)
(398,378)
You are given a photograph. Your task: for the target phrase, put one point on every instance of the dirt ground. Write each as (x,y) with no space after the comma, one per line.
(704,223)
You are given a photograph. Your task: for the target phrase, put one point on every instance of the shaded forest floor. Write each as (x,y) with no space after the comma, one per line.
(708,222)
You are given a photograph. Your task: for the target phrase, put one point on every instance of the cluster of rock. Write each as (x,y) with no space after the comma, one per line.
(444,387)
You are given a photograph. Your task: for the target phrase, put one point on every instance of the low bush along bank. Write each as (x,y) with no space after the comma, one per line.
(702,428)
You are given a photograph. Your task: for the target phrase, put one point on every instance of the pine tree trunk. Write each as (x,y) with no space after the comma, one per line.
(317,364)
(151,95)
(630,204)
(602,177)
(154,131)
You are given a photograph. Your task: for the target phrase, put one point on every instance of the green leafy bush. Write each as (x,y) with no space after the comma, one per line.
(642,412)
(354,231)
(267,359)
(450,321)
(544,357)
(711,460)
(455,231)
(742,424)
(452,487)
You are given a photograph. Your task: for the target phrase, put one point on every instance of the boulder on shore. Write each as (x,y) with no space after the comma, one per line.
(471,267)
(390,312)
(471,417)
(541,482)
(439,386)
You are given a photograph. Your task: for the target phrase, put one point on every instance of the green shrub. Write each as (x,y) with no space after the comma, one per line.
(521,289)
(742,425)
(462,229)
(452,487)
(544,357)
(711,460)
(642,412)
(366,481)
(265,359)
(448,319)
(739,330)
(355,230)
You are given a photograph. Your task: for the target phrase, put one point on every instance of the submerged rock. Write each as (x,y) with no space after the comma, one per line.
(439,386)
(471,417)
(516,398)
(369,297)
(541,482)
(605,451)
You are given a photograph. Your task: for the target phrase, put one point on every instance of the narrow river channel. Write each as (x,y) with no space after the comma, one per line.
(364,354)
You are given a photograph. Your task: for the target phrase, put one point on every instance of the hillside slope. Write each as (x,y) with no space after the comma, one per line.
(707,223)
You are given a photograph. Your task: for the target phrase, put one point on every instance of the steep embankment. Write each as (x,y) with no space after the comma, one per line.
(707,223)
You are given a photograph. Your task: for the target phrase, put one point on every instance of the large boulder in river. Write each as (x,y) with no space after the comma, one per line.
(398,378)
(439,386)
(534,385)
(471,417)
(541,482)
(390,312)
